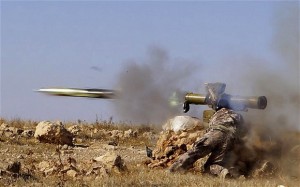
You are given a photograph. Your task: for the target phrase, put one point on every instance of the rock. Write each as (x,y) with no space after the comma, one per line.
(64,147)
(27,133)
(95,131)
(183,123)
(171,144)
(55,133)
(75,129)
(20,157)
(3,126)
(13,130)
(170,150)
(106,133)
(130,133)
(50,171)
(97,169)
(183,135)
(116,134)
(72,173)
(109,147)
(43,166)
(148,135)
(66,152)
(14,167)
(7,131)
(111,160)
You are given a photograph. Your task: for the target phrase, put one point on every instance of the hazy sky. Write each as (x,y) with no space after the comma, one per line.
(87,44)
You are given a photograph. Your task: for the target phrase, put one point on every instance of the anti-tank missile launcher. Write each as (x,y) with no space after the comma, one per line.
(217,99)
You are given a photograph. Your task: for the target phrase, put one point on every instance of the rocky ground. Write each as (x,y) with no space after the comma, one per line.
(103,154)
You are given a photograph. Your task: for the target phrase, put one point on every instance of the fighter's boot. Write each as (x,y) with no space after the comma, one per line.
(224,174)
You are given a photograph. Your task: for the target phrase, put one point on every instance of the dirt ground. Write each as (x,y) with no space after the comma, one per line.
(44,164)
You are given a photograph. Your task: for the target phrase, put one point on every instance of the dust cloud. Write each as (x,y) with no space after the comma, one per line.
(147,85)
(281,83)
(274,132)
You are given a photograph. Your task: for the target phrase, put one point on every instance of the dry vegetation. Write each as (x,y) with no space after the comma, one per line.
(90,144)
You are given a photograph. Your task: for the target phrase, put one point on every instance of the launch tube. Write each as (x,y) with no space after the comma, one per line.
(229,101)
(197,99)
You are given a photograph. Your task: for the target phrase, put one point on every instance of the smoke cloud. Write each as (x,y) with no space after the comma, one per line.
(147,84)
(274,133)
(280,83)
(146,87)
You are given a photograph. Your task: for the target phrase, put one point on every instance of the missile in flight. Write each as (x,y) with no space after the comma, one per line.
(78,92)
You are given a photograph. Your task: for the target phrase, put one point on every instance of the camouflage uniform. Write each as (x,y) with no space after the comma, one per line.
(218,141)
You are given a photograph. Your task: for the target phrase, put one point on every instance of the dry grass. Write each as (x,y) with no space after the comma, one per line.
(143,176)
(30,153)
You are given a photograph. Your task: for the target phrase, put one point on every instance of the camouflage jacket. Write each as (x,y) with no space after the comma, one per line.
(226,120)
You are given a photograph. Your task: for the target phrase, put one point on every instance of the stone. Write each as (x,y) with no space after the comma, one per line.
(117,134)
(111,160)
(3,126)
(48,132)
(75,129)
(72,173)
(97,169)
(8,133)
(64,147)
(20,157)
(183,123)
(148,135)
(43,166)
(28,133)
(171,144)
(95,131)
(78,140)
(130,133)
(13,130)
(109,147)
(50,171)
(224,174)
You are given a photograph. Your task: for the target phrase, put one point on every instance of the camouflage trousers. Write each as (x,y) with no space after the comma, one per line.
(216,143)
